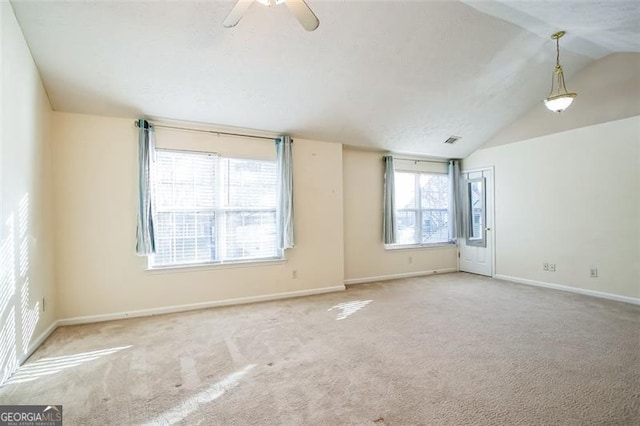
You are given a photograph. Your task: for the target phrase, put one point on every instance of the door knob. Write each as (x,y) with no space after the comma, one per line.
(487,229)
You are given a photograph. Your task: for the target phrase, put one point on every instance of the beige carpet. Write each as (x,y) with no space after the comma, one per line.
(451,349)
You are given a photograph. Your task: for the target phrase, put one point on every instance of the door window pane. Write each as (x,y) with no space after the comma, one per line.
(476,209)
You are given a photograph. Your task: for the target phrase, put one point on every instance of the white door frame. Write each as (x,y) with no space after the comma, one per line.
(492,233)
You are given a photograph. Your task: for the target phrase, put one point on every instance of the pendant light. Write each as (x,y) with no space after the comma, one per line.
(559,98)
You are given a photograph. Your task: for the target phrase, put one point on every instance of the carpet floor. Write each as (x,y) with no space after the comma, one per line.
(450,349)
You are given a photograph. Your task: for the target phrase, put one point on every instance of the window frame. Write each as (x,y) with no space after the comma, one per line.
(419,213)
(219,214)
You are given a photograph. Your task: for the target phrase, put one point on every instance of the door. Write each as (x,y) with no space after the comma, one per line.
(476,246)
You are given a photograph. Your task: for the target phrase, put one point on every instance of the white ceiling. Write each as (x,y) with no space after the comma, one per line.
(401,76)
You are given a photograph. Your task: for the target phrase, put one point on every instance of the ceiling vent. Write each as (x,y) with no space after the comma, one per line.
(452,140)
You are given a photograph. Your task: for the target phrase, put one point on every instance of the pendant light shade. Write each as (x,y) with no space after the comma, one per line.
(559,98)
(560,103)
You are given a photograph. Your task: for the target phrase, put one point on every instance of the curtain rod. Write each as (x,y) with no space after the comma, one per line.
(164,126)
(421,161)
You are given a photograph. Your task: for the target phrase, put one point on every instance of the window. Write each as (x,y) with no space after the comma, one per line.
(422,207)
(210,209)
(476,213)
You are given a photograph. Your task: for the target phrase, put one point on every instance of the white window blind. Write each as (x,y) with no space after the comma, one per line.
(210,209)
(422,203)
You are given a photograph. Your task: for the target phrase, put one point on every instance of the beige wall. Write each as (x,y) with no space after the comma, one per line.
(608,90)
(573,199)
(26,259)
(97,269)
(365,256)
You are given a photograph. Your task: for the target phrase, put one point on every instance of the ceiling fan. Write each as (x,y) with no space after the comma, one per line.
(299,8)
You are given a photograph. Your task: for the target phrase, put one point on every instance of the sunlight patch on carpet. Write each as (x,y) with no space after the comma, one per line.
(349,308)
(192,404)
(52,365)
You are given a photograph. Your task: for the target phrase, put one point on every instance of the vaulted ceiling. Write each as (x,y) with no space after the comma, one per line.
(401,76)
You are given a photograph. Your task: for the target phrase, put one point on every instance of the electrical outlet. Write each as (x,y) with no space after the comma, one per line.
(552,267)
(294,274)
(43,305)
(545,266)
(410,260)
(594,273)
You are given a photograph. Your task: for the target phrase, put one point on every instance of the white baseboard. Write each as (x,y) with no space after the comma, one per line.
(35,344)
(398,276)
(593,293)
(195,306)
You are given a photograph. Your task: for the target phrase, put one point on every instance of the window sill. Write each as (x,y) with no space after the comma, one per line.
(193,267)
(419,246)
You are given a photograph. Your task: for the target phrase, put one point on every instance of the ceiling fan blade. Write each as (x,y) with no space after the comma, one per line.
(303,13)
(236,13)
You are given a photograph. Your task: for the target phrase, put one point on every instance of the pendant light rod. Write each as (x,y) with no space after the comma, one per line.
(556,37)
